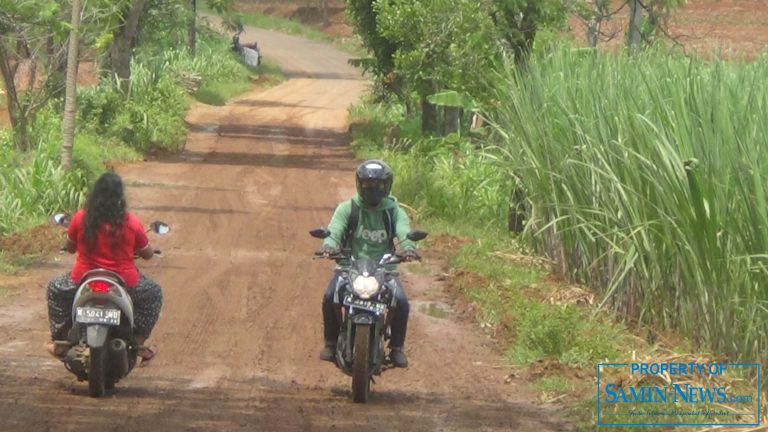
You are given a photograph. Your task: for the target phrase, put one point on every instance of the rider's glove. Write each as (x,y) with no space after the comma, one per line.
(411,255)
(327,250)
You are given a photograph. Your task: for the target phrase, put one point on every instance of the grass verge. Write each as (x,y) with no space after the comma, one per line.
(552,333)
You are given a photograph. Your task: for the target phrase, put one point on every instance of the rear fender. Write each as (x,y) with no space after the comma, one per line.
(119,297)
(96,335)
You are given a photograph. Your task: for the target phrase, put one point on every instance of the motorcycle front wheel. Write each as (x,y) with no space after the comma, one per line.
(361,380)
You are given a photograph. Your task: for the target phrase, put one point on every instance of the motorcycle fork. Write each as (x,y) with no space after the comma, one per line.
(379,332)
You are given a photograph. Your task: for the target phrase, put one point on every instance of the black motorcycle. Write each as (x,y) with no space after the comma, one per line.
(365,299)
(102,344)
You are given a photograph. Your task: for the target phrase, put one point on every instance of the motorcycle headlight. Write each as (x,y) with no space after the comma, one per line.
(365,286)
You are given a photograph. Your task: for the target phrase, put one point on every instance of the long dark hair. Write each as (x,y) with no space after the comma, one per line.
(106,205)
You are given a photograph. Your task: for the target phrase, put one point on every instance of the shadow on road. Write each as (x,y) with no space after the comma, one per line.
(178,405)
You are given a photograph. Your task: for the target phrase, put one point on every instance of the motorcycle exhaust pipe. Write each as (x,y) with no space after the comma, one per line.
(118,358)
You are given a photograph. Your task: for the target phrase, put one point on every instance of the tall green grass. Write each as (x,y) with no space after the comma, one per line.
(646,177)
(448,177)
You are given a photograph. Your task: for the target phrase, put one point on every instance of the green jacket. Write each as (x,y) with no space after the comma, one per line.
(370,238)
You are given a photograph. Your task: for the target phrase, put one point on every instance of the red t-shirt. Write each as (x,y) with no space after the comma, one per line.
(115,255)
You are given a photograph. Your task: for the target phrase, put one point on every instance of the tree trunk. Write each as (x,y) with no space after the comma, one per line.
(452,120)
(635,37)
(121,50)
(70,98)
(518,212)
(192,43)
(429,116)
(15,113)
(324,11)
(593,32)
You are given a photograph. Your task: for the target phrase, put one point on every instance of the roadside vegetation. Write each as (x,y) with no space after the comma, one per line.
(593,207)
(117,121)
(634,175)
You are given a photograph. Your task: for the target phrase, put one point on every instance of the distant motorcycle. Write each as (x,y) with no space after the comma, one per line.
(103,347)
(248,52)
(365,300)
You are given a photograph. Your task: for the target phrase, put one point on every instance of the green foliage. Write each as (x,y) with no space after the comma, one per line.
(150,115)
(30,192)
(562,332)
(511,299)
(552,384)
(641,172)
(441,44)
(164,26)
(364,17)
(520,20)
(281,24)
(444,177)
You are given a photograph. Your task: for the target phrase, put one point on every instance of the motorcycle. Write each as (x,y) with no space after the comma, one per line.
(366,301)
(250,53)
(102,344)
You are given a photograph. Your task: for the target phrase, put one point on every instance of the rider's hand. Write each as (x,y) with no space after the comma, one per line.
(327,251)
(411,255)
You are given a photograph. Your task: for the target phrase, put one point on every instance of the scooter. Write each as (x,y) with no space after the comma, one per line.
(250,53)
(102,344)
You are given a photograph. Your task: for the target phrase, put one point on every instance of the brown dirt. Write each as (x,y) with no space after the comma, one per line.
(240,329)
(307,13)
(87,75)
(36,241)
(706,27)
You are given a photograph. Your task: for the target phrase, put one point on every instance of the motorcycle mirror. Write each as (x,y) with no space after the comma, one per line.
(320,233)
(416,235)
(160,227)
(61,219)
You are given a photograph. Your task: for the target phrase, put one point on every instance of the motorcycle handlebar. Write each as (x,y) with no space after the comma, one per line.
(396,259)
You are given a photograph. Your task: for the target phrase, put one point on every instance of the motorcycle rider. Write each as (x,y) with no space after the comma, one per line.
(105,235)
(380,220)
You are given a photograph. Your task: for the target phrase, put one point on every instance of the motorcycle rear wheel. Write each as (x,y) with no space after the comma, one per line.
(97,371)
(361,379)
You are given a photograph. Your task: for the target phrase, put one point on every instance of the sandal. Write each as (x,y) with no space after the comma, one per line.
(147,353)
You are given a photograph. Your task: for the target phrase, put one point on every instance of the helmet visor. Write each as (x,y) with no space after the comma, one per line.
(373,185)
(372,191)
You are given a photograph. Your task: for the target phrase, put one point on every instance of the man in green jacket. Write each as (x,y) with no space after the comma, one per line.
(367,225)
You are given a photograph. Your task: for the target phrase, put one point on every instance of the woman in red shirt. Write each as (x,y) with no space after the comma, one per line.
(105,235)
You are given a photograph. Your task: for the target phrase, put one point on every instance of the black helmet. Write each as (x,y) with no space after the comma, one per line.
(374,181)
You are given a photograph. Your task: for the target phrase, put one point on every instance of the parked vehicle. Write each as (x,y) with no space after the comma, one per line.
(103,347)
(250,53)
(365,300)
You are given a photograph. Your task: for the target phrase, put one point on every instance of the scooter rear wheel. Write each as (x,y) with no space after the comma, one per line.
(97,371)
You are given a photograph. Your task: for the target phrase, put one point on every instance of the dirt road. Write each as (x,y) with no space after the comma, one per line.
(240,331)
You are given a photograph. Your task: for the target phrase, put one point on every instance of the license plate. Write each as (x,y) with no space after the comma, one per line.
(89,315)
(365,304)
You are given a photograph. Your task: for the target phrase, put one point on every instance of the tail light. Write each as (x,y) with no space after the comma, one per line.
(99,286)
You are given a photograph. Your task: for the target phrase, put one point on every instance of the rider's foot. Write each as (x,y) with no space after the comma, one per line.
(147,354)
(328,353)
(398,358)
(57,350)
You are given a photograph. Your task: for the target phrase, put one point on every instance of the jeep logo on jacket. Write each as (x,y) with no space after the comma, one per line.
(370,237)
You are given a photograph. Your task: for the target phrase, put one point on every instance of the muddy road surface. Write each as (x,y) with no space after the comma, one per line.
(240,331)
